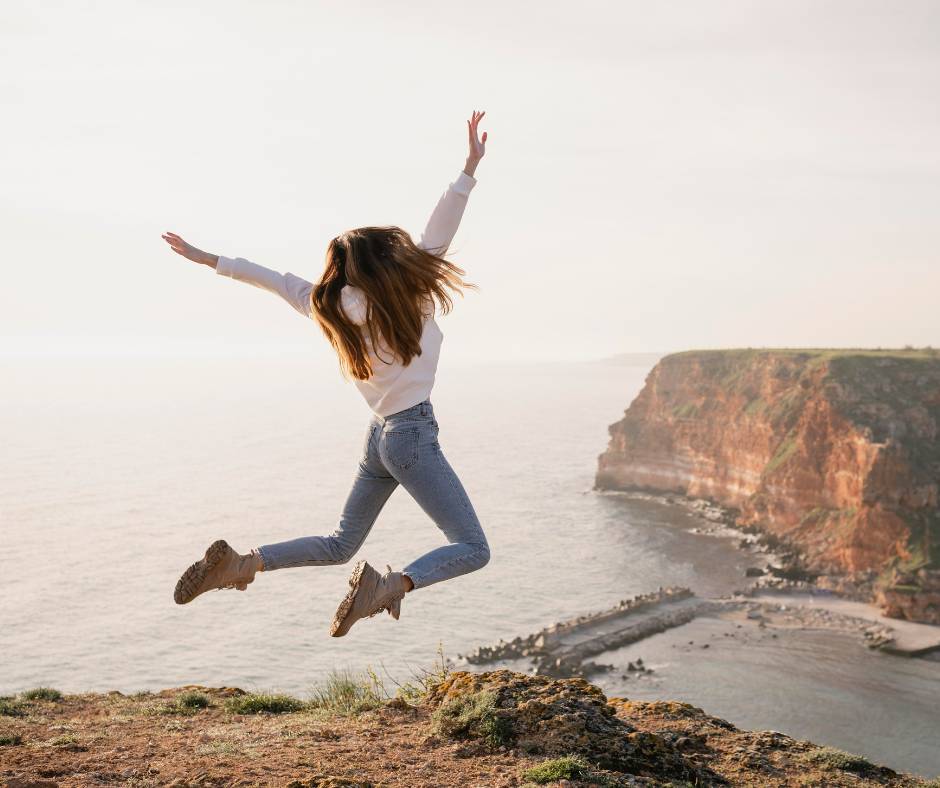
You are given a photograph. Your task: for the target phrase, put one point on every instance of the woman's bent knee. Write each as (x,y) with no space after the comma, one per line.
(339,552)
(482,556)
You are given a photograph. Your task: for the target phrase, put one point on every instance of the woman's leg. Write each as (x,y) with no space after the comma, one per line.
(410,451)
(371,488)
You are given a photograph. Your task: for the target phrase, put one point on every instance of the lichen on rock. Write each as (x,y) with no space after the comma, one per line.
(557,717)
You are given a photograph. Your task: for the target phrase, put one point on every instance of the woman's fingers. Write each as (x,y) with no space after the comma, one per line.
(476,144)
(174,240)
(176,243)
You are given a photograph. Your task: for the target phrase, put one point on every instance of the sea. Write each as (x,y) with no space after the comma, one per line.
(117,472)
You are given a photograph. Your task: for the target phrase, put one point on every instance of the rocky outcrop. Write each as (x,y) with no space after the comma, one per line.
(564,717)
(834,452)
(911,595)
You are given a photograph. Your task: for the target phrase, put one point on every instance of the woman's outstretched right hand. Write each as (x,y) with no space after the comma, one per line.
(189,251)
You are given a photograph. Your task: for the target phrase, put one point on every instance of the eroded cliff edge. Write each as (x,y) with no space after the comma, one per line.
(834,451)
(498,729)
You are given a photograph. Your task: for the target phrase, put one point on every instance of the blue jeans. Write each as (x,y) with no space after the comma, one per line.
(399,449)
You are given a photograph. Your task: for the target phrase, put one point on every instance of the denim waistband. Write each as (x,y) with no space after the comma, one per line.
(421,409)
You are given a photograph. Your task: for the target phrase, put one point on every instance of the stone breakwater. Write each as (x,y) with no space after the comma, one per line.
(836,454)
(564,648)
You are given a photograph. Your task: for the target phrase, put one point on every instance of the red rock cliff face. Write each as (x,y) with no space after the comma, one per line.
(836,451)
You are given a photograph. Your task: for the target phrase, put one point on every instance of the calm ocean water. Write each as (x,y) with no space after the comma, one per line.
(116,473)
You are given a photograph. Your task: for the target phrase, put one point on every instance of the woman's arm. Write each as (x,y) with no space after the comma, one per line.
(445,219)
(293,289)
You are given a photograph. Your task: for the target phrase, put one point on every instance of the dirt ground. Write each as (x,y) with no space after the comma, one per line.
(147,740)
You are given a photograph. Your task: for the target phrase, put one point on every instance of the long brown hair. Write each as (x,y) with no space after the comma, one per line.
(398,279)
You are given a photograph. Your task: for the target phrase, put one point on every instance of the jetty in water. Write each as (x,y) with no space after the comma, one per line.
(565,648)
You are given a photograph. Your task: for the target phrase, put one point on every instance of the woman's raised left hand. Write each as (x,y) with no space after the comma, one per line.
(477,145)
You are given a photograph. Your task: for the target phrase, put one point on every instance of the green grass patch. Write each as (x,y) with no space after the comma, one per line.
(9,739)
(923,552)
(41,693)
(905,589)
(786,409)
(810,352)
(411,692)
(817,515)
(475,716)
(917,558)
(784,451)
(831,758)
(193,700)
(186,703)
(422,679)
(892,386)
(686,411)
(755,407)
(67,741)
(567,768)
(11,707)
(344,692)
(261,703)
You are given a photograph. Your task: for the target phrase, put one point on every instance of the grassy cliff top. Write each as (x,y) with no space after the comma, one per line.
(498,729)
(895,393)
(927,353)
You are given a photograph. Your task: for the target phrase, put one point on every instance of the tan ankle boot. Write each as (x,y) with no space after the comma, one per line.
(220,567)
(369,593)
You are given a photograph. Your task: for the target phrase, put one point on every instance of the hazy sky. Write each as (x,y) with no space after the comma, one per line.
(659,176)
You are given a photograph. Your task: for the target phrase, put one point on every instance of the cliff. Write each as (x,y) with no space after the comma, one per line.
(834,451)
(495,729)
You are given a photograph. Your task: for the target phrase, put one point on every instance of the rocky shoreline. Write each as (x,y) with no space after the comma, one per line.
(564,648)
(779,564)
(779,568)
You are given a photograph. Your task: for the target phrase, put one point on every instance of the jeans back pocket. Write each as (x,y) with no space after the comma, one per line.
(401,446)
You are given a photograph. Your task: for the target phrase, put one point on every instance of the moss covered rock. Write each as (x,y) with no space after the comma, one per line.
(559,717)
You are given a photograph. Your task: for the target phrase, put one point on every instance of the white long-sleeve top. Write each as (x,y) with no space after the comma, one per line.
(392,387)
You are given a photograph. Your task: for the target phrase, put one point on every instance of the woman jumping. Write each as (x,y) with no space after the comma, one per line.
(375,301)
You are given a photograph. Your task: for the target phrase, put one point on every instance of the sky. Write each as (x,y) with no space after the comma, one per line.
(658,176)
